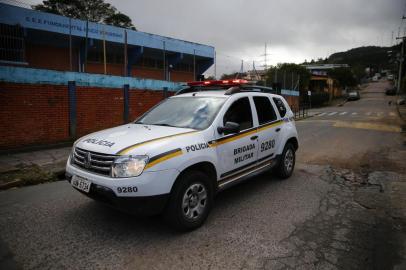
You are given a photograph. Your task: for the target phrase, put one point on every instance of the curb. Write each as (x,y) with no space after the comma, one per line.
(57,175)
(400,115)
(303,118)
(12,184)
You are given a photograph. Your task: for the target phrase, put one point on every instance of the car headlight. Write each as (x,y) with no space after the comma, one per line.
(129,166)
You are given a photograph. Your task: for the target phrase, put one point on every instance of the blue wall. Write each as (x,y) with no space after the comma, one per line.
(44,76)
(59,24)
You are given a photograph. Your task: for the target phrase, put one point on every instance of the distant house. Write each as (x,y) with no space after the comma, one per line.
(321,82)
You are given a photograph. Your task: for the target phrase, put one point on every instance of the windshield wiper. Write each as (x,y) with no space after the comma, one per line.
(164,125)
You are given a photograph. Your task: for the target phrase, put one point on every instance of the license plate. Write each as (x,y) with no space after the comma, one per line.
(81,183)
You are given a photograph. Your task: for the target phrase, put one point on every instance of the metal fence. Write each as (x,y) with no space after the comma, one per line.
(284,80)
(300,111)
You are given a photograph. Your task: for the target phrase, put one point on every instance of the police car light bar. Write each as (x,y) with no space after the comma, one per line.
(218,82)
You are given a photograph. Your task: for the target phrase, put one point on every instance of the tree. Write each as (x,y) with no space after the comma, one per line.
(91,10)
(289,68)
(121,20)
(343,75)
(229,76)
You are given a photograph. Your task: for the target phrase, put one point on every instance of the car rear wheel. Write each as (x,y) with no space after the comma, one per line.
(287,162)
(190,202)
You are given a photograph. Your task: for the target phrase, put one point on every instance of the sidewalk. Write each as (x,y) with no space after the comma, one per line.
(32,167)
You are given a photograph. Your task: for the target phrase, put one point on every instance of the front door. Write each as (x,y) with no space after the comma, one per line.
(237,151)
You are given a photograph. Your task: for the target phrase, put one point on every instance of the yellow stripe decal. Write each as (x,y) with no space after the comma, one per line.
(166,157)
(239,136)
(270,126)
(128,149)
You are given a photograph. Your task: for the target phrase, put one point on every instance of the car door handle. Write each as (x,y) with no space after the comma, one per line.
(254,137)
(278,129)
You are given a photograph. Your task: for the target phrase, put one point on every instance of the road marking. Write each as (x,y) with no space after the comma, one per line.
(333,113)
(354,113)
(321,114)
(368,126)
(343,113)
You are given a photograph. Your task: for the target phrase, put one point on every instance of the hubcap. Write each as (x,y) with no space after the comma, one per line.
(194,201)
(289,160)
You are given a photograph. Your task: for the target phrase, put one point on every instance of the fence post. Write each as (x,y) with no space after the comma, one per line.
(126,95)
(165,92)
(72,108)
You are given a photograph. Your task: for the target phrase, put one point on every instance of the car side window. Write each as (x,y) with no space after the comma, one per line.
(240,113)
(265,110)
(281,107)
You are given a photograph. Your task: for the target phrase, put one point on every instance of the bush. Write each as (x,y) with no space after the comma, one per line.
(319,98)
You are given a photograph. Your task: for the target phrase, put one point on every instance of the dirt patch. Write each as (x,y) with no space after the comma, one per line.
(29,175)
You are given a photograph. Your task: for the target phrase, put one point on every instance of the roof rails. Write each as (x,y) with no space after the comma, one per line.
(243,88)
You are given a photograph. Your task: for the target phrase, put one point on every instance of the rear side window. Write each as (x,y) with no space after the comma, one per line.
(265,110)
(281,107)
(240,113)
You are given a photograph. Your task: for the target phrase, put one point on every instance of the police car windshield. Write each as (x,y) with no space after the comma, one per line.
(184,112)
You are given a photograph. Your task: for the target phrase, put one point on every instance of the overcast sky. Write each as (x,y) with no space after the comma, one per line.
(295,30)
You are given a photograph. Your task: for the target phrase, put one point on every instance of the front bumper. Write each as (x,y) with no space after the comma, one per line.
(153,189)
(141,205)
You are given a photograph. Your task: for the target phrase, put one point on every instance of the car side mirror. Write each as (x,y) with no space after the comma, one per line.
(229,128)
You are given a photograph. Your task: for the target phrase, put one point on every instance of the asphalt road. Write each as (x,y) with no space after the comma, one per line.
(306,221)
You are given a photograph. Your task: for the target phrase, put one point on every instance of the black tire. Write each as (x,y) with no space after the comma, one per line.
(285,168)
(191,216)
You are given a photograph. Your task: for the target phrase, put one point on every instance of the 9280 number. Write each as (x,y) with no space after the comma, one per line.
(267,145)
(127,189)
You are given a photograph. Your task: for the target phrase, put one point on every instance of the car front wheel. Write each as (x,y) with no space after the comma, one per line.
(190,202)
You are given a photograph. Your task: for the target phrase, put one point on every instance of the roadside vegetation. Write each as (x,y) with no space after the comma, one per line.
(90,10)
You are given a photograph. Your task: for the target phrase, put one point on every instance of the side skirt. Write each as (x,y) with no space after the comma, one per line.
(245,174)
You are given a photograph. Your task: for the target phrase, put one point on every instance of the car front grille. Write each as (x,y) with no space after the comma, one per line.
(93,162)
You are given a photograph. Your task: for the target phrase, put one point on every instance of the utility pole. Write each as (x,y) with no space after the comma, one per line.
(215,65)
(125,54)
(265,55)
(70,44)
(401,59)
(402,55)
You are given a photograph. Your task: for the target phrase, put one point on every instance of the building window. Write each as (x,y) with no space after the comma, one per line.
(184,67)
(94,56)
(12,47)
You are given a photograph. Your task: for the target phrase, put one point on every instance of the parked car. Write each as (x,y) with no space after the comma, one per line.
(353,95)
(391,91)
(390,77)
(177,156)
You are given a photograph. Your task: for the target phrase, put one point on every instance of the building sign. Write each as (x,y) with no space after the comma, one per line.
(75,27)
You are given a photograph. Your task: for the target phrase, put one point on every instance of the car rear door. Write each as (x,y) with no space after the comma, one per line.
(268,129)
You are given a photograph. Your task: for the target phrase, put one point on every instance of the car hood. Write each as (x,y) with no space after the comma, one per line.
(120,139)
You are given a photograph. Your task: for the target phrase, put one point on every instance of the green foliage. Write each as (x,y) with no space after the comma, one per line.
(121,20)
(369,56)
(91,10)
(344,76)
(289,68)
(229,76)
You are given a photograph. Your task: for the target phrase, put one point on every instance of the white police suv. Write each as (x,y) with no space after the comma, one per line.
(178,155)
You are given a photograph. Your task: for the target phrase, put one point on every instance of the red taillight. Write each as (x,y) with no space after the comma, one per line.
(222,82)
